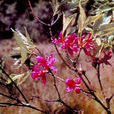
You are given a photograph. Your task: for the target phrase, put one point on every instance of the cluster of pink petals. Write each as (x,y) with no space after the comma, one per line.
(106,57)
(74,43)
(73,85)
(43,66)
(103,59)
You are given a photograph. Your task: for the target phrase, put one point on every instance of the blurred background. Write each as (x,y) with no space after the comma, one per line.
(17,14)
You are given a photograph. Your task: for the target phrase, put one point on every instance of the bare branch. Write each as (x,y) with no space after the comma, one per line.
(3,71)
(36,17)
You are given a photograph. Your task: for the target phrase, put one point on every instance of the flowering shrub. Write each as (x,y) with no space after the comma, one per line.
(73,44)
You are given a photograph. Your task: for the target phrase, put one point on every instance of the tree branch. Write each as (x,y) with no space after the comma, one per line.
(3,71)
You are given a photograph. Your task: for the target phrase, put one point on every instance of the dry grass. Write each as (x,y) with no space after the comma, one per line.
(79,101)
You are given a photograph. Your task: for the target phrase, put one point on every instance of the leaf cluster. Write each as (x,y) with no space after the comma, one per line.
(99,21)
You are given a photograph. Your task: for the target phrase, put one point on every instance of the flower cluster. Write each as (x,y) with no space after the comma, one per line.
(74,43)
(73,85)
(104,59)
(43,66)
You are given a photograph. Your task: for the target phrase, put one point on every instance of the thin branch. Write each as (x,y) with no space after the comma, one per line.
(3,106)
(62,57)
(10,97)
(93,94)
(98,75)
(58,51)
(39,51)
(10,104)
(55,84)
(59,97)
(23,105)
(54,22)
(3,71)
(108,100)
(86,77)
(32,107)
(36,17)
(99,80)
(85,92)
(38,97)
(16,104)
(67,55)
(111,97)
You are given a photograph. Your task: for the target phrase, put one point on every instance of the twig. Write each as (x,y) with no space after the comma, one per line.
(55,84)
(94,96)
(38,97)
(36,17)
(98,75)
(83,72)
(111,97)
(59,97)
(10,97)
(108,100)
(3,106)
(99,80)
(39,51)
(23,105)
(3,71)
(19,103)
(59,52)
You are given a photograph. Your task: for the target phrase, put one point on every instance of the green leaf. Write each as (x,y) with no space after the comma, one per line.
(24,78)
(25,44)
(56,6)
(68,21)
(107,29)
(15,77)
(81,19)
(82,1)
(92,19)
(18,78)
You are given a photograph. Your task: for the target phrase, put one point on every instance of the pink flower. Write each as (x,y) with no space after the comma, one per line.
(46,63)
(86,43)
(43,66)
(59,40)
(73,43)
(73,85)
(104,59)
(69,43)
(39,74)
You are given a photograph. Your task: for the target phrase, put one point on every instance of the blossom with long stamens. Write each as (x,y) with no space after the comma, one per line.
(74,43)
(97,60)
(73,85)
(43,66)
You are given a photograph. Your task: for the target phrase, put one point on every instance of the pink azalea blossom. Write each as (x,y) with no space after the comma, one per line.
(43,66)
(74,43)
(60,39)
(46,63)
(73,85)
(39,74)
(104,59)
